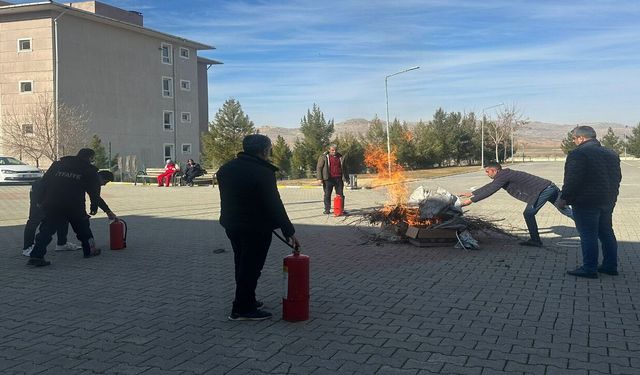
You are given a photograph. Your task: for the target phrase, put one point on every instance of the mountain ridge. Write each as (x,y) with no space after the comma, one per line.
(534,135)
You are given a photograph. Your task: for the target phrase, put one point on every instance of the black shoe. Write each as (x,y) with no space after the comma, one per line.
(326,212)
(259,304)
(38,262)
(531,243)
(94,253)
(254,315)
(601,269)
(580,272)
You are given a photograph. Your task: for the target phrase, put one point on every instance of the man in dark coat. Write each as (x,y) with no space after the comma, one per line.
(192,171)
(592,178)
(62,197)
(250,209)
(533,190)
(36,215)
(330,171)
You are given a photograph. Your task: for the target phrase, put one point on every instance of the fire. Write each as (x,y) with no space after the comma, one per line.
(375,157)
(395,209)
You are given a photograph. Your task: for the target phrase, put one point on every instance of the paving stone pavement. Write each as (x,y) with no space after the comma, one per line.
(160,306)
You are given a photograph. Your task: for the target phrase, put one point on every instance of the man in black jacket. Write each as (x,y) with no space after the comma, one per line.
(592,178)
(62,198)
(533,190)
(192,171)
(250,209)
(330,170)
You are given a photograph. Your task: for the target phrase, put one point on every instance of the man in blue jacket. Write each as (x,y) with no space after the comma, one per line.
(250,209)
(592,178)
(533,190)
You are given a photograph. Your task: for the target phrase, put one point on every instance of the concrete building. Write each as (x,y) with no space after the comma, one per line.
(145,91)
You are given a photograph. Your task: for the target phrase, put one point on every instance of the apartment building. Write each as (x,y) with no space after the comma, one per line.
(145,91)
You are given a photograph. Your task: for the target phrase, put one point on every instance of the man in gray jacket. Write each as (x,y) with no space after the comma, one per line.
(329,171)
(533,190)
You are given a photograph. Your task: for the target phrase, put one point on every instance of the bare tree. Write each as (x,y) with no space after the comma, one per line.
(510,119)
(30,130)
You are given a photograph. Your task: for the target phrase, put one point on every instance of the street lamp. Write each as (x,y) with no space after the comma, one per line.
(482,134)
(386,95)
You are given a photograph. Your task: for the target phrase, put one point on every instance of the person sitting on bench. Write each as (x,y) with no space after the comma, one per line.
(192,171)
(169,169)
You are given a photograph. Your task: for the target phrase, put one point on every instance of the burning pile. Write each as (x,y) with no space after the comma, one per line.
(426,217)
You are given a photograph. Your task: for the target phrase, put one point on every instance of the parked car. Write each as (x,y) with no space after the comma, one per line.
(13,170)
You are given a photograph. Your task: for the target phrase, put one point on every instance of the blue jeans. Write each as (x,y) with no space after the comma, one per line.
(549,194)
(594,223)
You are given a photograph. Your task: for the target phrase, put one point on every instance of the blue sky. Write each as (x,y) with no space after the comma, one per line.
(557,61)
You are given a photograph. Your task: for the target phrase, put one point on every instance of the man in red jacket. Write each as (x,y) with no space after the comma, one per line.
(169,170)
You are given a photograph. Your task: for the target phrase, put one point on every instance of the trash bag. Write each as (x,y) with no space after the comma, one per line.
(439,203)
(466,241)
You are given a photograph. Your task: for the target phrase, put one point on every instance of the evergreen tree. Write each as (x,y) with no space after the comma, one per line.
(425,147)
(612,141)
(299,161)
(567,144)
(353,151)
(316,133)
(376,134)
(281,157)
(401,139)
(102,159)
(633,142)
(224,139)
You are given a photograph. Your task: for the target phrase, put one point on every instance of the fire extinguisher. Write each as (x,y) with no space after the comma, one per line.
(295,301)
(338,205)
(295,298)
(118,234)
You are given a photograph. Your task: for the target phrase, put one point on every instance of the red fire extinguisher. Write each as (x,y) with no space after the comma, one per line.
(295,299)
(338,203)
(118,234)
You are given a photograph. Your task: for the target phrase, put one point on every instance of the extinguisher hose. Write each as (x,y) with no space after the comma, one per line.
(296,249)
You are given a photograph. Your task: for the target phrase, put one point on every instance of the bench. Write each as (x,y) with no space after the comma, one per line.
(152,174)
(205,179)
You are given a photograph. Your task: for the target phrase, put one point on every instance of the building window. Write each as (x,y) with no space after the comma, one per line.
(185,85)
(168,151)
(167,87)
(26,86)
(167,120)
(185,117)
(186,148)
(27,129)
(24,45)
(184,53)
(166,53)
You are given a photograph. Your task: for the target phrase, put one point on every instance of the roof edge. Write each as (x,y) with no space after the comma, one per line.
(50,5)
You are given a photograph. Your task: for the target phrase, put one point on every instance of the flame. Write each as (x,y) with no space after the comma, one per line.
(395,209)
(376,157)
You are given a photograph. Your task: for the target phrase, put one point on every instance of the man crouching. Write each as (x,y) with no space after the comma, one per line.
(62,197)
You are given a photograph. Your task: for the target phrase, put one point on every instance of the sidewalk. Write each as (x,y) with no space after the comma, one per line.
(161,305)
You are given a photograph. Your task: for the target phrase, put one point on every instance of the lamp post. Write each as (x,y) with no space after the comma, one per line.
(482,134)
(386,95)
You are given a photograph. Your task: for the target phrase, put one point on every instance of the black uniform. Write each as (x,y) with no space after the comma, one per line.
(36,215)
(250,209)
(62,198)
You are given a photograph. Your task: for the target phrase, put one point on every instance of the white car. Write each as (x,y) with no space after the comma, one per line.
(13,170)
